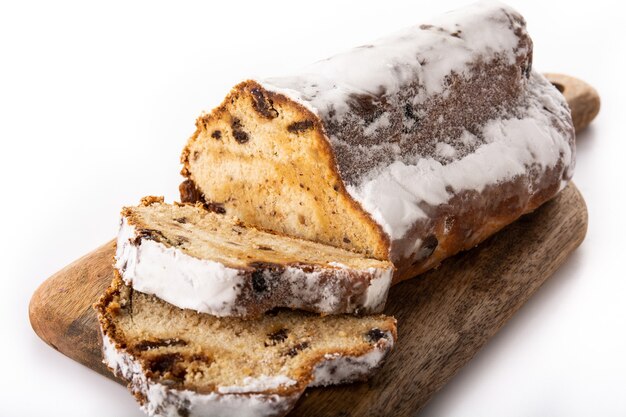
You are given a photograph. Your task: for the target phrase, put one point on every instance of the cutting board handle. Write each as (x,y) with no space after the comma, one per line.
(583,99)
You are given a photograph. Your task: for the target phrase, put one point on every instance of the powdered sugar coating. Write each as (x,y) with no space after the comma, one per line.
(388,64)
(394,194)
(210,287)
(437,111)
(339,369)
(262,383)
(244,401)
(182,280)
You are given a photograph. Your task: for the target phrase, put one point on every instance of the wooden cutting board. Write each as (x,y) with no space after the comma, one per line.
(444,317)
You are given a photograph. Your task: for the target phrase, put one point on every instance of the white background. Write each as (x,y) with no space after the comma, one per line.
(98,98)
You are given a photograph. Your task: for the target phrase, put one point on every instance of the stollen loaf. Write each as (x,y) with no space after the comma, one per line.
(409,149)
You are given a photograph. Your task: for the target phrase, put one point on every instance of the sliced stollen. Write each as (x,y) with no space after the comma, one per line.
(206,261)
(182,363)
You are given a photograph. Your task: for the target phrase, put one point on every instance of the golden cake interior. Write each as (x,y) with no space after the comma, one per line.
(265,159)
(184,349)
(217,237)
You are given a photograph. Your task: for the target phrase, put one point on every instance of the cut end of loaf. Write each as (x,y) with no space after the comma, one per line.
(265,159)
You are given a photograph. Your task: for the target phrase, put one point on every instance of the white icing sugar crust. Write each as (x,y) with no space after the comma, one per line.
(393,194)
(246,400)
(392,62)
(434,111)
(182,280)
(211,287)
(339,369)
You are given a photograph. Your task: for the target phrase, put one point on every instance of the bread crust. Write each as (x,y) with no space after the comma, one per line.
(385,131)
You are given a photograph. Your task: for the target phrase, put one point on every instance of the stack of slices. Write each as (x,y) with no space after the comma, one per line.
(209,317)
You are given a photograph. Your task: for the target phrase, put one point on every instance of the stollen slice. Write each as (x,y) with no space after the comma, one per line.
(183,363)
(194,256)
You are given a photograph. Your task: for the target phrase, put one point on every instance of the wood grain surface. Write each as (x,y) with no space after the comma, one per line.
(583,99)
(444,317)
(60,310)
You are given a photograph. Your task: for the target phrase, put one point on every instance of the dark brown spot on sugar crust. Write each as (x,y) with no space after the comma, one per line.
(279,336)
(262,272)
(217,134)
(346,240)
(258,281)
(158,343)
(527,68)
(238,133)
(267,248)
(427,249)
(293,351)
(183,412)
(182,220)
(374,335)
(262,104)
(369,108)
(409,112)
(299,127)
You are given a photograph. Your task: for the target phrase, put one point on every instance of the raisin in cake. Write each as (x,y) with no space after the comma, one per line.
(206,261)
(410,149)
(182,363)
